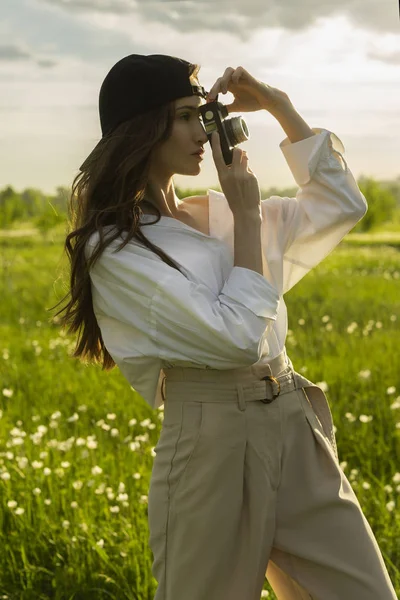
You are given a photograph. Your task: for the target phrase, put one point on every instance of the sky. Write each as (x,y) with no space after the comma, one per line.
(338,60)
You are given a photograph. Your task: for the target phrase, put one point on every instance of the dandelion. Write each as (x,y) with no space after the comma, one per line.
(100,489)
(396,403)
(390,505)
(329,327)
(97,470)
(122,497)
(366,374)
(18,441)
(136,476)
(22,462)
(114,432)
(121,487)
(391,390)
(264,594)
(47,501)
(353,474)
(65,464)
(143,499)
(46,471)
(343,465)
(366,485)
(82,408)
(325,318)
(100,543)
(393,318)
(37,491)
(66,524)
(55,415)
(111,416)
(7,392)
(114,509)
(37,464)
(77,485)
(350,417)
(352,327)
(396,478)
(388,489)
(12,504)
(74,504)
(6,354)
(19,511)
(75,417)
(132,422)
(323,385)
(378,325)
(365,418)
(301,321)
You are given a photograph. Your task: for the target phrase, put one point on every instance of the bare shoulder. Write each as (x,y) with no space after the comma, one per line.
(196,200)
(196,212)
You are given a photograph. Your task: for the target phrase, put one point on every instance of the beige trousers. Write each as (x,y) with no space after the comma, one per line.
(246,485)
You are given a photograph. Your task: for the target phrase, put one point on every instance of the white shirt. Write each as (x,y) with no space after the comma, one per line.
(216,315)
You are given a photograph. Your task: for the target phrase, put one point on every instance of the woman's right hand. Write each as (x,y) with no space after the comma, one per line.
(238,182)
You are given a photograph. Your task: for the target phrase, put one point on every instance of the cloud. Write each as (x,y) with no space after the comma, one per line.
(391,58)
(241,18)
(14,53)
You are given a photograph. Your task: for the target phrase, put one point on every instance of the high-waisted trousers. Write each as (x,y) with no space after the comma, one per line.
(246,484)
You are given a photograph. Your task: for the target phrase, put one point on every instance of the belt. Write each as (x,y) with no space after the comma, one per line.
(263,382)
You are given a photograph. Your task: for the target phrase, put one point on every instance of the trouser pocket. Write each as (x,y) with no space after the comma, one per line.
(176,446)
(319,417)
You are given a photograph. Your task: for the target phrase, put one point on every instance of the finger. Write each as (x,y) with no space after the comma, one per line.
(221,81)
(216,149)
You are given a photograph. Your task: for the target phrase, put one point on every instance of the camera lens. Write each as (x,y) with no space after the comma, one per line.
(236,130)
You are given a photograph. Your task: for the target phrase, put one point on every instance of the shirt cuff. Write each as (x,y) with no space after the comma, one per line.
(303,157)
(253,291)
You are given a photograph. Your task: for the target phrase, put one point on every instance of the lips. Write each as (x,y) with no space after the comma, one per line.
(199,153)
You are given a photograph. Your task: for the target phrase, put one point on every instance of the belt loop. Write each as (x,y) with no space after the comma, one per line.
(241,400)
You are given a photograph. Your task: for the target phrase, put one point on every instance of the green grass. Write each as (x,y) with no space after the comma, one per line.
(89,550)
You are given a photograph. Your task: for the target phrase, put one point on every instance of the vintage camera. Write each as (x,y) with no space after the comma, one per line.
(232,131)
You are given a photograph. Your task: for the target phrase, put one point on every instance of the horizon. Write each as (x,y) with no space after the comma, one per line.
(338,66)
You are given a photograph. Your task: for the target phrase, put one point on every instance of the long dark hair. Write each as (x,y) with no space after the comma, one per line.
(109,191)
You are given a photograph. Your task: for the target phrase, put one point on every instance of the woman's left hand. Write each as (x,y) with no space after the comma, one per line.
(250,94)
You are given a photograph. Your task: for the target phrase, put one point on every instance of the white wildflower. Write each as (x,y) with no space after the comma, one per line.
(365,418)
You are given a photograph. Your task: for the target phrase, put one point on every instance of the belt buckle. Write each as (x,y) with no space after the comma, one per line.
(271,378)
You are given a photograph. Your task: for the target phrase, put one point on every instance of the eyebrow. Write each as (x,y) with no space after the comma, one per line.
(189,107)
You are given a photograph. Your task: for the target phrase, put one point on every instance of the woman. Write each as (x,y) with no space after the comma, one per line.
(246,480)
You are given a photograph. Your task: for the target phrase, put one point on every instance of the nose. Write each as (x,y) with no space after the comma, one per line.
(202,137)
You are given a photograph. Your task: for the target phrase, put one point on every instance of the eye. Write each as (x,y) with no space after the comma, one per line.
(185,115)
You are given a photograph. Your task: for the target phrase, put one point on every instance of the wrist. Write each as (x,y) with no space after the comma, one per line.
(293,124)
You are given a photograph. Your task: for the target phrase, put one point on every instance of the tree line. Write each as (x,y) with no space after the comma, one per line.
(46,211)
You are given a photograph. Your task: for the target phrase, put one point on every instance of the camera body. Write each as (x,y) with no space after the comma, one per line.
(232,131)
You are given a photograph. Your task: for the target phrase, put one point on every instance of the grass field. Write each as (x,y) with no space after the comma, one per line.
(76,443)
